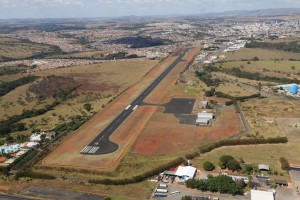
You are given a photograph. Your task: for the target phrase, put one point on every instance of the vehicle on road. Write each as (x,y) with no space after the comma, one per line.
(175,192)
(162,190)
(157,194)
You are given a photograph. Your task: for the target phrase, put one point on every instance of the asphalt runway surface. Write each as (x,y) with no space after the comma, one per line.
(101,144)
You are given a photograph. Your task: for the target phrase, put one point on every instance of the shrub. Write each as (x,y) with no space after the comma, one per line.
(208,166)
(223,161)
(284,163)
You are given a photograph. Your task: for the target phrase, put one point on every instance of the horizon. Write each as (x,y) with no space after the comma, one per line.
(57,9)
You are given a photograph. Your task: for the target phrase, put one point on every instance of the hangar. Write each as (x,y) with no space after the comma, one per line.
(204,118)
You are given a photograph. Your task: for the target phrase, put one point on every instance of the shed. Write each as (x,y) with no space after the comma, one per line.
(263,167)
(186,172)
(281,182)
(261,195)
(202,121)
(206,115)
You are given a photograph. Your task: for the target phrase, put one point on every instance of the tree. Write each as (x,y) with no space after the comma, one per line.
(233,165)
(186,198)
(202,185)
(248,168)
(208,166)
(293,67)
(88,107)
(209,93)
(191,183)
(224,160)
(9,139)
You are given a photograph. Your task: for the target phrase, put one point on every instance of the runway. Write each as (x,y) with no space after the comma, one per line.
(101,144)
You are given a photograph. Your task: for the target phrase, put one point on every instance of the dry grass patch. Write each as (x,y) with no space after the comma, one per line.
(262,54)
(260,114)
(233,90)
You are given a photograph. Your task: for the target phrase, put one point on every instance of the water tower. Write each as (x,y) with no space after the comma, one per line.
(294,89)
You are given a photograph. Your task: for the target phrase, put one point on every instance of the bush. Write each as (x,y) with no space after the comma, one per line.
(284,163)
(248,168)
(223,161)
(233,165)
(36,175)
(208,166)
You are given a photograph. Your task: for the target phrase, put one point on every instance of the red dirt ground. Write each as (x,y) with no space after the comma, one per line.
(164,135)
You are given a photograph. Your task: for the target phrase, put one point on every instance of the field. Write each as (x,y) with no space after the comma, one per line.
(255,154)
(263,66)
(262,115)
(163,135)
(262,54)
(68,154)
(16,49)
(99,84)
(290,127)
(233,90)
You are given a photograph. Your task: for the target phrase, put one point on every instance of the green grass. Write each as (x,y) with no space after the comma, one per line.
(254,154)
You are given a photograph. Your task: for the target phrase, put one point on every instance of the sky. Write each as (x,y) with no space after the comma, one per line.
(116,8)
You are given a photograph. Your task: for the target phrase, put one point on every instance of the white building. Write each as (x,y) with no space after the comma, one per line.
(186,172)
(261,195)
(204,118)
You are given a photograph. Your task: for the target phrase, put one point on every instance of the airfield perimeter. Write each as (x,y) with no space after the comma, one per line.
(68,154)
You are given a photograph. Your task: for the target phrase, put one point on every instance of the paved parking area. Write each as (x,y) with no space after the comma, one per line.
(180,106)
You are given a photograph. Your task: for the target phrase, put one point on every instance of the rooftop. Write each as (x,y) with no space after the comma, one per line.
(261,195)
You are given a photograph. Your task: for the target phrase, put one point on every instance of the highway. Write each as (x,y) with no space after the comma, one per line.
(101,144)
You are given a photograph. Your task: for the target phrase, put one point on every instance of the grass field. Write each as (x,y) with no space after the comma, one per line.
(233,90)
(261,115)
(99,84)
(16,49)
(262,54)
(264,66)
(255,154)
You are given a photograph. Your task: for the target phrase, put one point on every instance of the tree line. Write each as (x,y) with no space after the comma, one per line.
(7,87)
(284,46)
(223,184)
(11,125)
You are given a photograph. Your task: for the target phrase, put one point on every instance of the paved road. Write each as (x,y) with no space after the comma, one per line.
(101,144)
(6,196)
